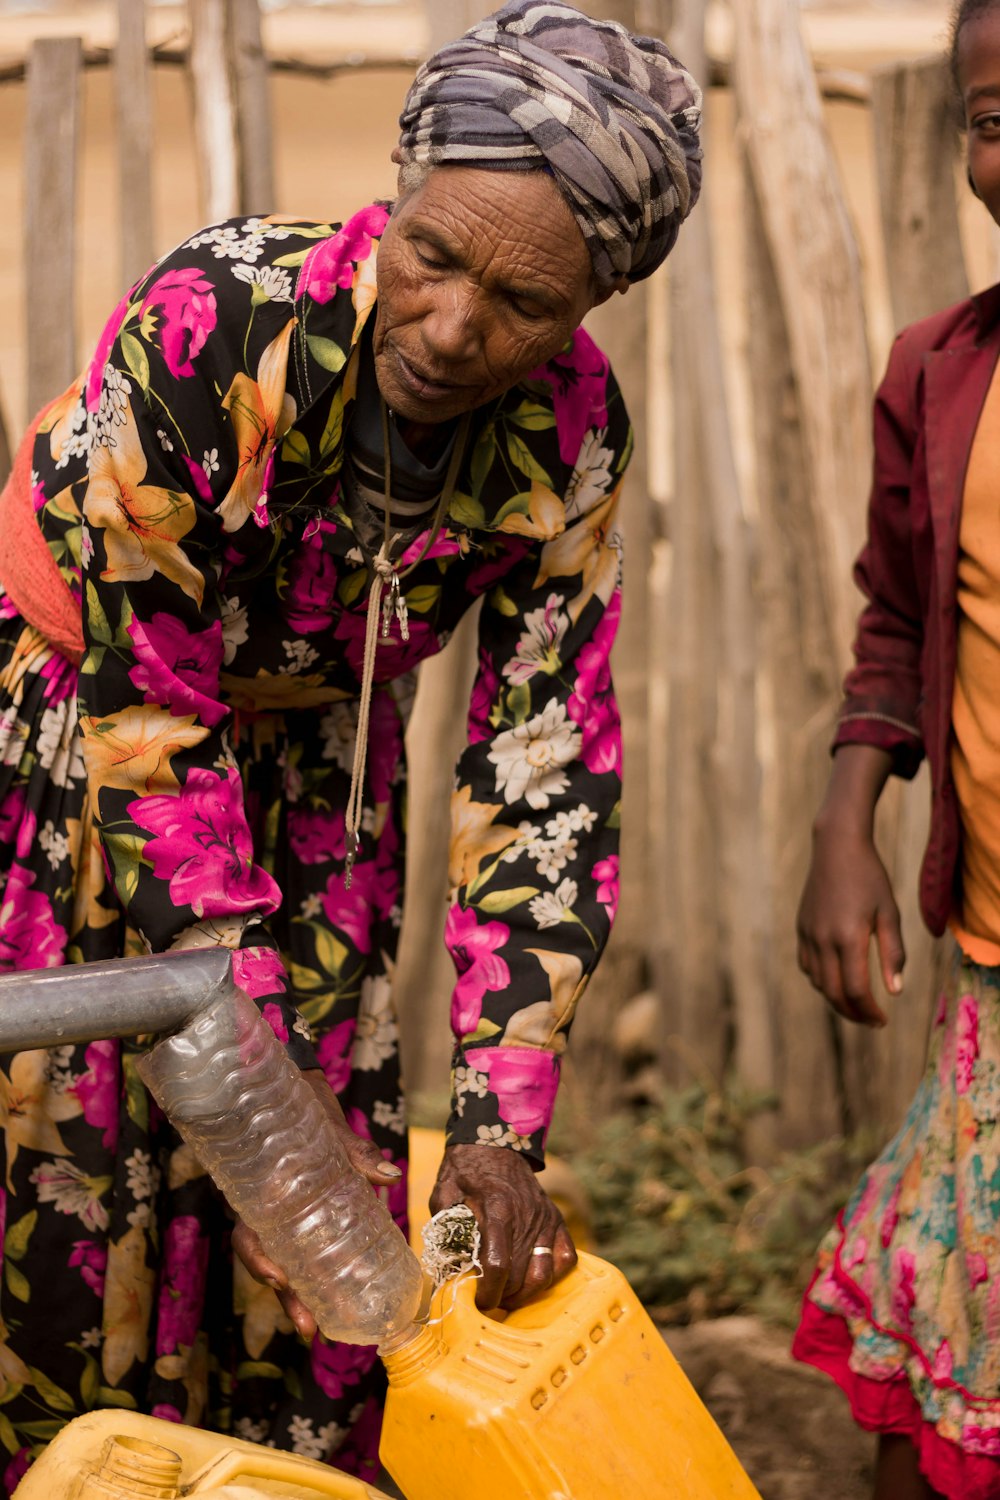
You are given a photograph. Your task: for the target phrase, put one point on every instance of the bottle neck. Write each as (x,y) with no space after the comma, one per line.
(410,1353)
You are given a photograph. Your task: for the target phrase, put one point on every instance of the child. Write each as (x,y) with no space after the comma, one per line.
(904,1310)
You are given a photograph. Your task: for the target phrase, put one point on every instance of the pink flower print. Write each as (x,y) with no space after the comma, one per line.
(943,1362)
(579,381)
(332,263)
(385,747)
(891,1217)
(182,1288)
(855,1252)
(316,837)
(485,693)
(966,1043)
(202,846)
(166,1412)
(16,1469)
(30,937)
(904,1270)
(982,1441)
(97,1090)
(25,842)
(443,546)
(525,1082)
(480,968)
(178,667)
(259,971)
(95,374)
(93,1262)
(395,656)
(605,872)
(358,1454)
(354,912)
(592,703)
(977,1268)
(12,814)
(185,301)
(334,1053)
(312,578)
(338,1367)
(272,1015)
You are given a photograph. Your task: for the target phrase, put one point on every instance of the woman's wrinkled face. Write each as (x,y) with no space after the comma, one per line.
(482,276)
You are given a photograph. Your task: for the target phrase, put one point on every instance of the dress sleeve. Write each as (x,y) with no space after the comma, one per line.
(185,367)
(535,814)
(882,693)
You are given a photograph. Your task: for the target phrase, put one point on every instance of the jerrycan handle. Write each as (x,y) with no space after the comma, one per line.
(278,1468)
(548,1304)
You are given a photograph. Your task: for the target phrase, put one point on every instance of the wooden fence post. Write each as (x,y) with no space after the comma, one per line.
(916,141)
(215,115)
(253,107)
(447,19)
(135,139)
(50,174)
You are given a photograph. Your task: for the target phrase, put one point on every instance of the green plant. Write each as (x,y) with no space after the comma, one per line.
(697,1229)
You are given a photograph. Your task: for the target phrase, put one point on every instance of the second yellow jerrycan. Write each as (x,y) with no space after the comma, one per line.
(574,1397)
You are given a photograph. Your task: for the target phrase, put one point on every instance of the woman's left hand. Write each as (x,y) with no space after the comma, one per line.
(364,1157)
(525,1244)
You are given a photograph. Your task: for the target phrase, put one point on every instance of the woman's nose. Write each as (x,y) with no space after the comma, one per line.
(450,328)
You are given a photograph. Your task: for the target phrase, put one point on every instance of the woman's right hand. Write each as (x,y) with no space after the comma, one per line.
(848,896)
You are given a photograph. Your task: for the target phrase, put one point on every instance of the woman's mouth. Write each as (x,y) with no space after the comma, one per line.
(422,384)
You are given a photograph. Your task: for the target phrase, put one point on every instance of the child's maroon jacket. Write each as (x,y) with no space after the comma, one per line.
(899,694)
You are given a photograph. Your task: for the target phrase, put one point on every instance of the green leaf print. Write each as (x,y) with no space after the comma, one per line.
(326,353)
(623,461)
(18,1235)
(108,1395)
(260,1368)
(522,458)
(90,1380)
(136,358)
(483,456)
(93,660)
(467,511)
(293,258)
(519,702)
(100,627)
(499,901)
(306,980)
(351,587)
(423,598)
(53,1395)
(533,417)
(17,1284)
(330,951)
(295,449)
(8,1436)
(503,603)
(137,1100)
(483,1032)
(125,853)
(122,637)
(46,1431)
(293,1384)
(10,1392)
(519,505)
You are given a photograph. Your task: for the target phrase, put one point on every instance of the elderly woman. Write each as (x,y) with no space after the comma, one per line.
(300,454)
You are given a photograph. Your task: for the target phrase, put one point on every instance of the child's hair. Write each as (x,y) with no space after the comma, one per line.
(965,10)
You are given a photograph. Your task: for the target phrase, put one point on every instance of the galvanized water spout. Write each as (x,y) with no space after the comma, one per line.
(123,997)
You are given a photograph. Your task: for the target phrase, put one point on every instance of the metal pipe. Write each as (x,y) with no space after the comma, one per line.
(118,998)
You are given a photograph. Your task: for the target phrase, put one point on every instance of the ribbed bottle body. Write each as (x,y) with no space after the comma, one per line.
(229,1088)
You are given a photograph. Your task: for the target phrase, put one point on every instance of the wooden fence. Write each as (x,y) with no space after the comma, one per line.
(739,604)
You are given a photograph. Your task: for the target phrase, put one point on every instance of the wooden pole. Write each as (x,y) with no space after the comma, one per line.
(50,175)
(447,19)
(215,115)
(916,144)
(133,104)
(253,105)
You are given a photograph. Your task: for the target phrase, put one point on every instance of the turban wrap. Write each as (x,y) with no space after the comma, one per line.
(613,117)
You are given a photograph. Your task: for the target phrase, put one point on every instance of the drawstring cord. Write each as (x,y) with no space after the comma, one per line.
(386,580)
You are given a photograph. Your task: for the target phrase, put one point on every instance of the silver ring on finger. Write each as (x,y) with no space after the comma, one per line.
(542,1250)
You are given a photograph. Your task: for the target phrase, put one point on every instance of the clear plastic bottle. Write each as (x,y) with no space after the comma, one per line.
(230,1089)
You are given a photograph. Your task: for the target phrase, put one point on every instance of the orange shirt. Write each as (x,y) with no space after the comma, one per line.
(975,756)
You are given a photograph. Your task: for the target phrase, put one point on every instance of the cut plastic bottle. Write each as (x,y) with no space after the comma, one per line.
(230,1089)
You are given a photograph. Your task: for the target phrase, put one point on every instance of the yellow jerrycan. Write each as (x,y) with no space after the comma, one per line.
(122,1455)
(575,1397)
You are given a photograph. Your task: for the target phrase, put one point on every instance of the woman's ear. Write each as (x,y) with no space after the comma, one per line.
(972,183)
(604,292)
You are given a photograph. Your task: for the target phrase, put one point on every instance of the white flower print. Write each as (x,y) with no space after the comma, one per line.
(143,1177)
(13,736)
(311,906)
(331,1436)
(249,1430)
(78,443)
(577,820)
(91,1338)
(539,649)
(275,284)
(554,856)
(527,843)
(304,1440)
(58,745)
(140,1216)
(300,655)
(56,845)
(210,463)
(58,1073)
(112,412)
(165,442)
(501,1135)
(389,1116)
(553,907)
(375,1038)
(338,731)
(234,628)
(72,1192)
(468,1081)
(301,1028)
(592,476)
(530,758)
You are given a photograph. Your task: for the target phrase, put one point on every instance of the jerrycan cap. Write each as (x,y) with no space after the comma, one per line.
(135,1467)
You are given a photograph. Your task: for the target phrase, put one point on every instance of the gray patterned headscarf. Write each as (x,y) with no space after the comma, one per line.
(614,117)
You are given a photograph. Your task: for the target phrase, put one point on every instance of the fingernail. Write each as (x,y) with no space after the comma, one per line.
(897,983)
(388,1170)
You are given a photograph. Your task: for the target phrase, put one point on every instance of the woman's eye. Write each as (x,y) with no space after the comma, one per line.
(428,256)
(987,124)
(530,311)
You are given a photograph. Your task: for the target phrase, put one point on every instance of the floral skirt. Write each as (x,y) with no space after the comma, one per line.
(118,1285)
(904,1309)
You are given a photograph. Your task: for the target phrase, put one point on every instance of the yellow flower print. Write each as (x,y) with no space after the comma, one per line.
(585,549)
(258,1306)
(30,1109)
(190,1366)
(545,518)
(261,412)
(128,1303)
(59,418)
(142,523)
(28,655)
(474,837)
(544,1024)
(89,879)
(131,750)
(13,1370)
(268,691)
